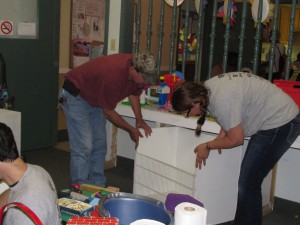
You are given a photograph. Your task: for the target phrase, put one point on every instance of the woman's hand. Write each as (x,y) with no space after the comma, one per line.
(202,153)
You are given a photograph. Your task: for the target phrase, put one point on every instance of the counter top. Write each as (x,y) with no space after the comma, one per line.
(160,115)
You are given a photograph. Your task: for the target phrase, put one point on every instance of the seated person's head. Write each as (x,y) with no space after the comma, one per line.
(8,147)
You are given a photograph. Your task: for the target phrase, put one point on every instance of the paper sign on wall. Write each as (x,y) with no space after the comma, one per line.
(88,27)
(27,29)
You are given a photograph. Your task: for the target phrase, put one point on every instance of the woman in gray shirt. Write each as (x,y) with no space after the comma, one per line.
(244,105)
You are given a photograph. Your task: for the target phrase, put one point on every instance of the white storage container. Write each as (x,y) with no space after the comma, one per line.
(288,178)
(165,163)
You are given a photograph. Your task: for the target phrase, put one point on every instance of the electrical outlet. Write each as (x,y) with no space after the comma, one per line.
(113,44)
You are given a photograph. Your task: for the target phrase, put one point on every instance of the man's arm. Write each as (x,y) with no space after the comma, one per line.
(136,108)
(117,120)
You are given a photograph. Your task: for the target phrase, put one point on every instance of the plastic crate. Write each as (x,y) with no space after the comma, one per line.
(292,88)
(165,163)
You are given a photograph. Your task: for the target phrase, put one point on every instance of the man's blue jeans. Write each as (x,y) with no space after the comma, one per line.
(87,137)
(264,150)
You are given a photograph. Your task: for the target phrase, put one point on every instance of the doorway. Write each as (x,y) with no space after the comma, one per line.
(32,74)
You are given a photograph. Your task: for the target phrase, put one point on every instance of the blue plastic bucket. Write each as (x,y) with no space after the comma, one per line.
(129,208)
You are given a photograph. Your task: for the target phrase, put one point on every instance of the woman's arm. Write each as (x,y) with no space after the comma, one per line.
(227,139)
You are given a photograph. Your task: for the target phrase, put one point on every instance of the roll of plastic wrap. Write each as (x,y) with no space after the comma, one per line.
(191,214)
(146,222)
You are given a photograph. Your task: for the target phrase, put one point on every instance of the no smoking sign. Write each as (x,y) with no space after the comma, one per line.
(6,27)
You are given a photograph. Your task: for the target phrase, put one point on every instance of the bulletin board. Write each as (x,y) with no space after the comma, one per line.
(87,30)
(19,19)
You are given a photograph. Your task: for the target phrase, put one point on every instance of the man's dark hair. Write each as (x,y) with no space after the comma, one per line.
(8,147)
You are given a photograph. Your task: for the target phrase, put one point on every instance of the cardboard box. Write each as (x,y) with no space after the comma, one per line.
(74,207)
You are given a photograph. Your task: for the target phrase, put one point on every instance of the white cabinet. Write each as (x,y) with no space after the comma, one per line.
(288,176)
(165,163)
(125,146)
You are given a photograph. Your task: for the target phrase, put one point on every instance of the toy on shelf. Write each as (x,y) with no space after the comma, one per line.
(171,80)
(125,101)
(163,93)
(152,93)
(191,42)
(222,12)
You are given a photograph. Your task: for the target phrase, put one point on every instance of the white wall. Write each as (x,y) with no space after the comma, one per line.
(114,27)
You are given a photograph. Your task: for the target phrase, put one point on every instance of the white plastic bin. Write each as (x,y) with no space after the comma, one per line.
(165,163)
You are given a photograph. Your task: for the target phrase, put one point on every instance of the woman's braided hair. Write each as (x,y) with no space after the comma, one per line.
(186,95)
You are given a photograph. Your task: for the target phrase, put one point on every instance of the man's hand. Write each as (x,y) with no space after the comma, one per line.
(136,108)
(140,123)
(135,135)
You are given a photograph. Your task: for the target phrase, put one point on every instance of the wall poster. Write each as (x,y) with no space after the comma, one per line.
(88,27)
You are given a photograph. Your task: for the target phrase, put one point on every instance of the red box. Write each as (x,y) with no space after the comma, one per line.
(93,221)
(292,88)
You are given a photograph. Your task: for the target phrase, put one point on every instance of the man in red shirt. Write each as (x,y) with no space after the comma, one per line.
(89,96)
